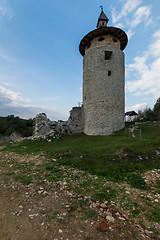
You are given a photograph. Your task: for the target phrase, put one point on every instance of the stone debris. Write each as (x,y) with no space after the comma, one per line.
(40,191)
(103,215)
(96,205)
(103,227)
(110,219)
(103,205)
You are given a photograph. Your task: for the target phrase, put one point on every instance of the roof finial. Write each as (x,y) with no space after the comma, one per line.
(101,8)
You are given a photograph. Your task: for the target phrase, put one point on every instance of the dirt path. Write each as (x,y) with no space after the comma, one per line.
(33,208)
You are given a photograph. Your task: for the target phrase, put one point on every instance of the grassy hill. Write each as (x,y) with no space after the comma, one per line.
(116,157)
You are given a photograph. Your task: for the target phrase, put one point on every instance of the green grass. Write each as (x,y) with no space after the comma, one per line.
(43,212)
(154,215)
(90,213)
(26,180)
(104,193)
(117,157)
(158,185)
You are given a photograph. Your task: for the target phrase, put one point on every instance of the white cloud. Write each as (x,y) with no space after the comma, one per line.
(128,7)
(155,46)
(142,14)
(137,107)
(12,103)
(131,15)
(11,96)
(147,75)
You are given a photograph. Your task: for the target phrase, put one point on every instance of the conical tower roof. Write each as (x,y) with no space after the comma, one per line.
(103,29)
(102,17)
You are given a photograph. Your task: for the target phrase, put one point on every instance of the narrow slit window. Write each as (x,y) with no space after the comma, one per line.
(108,55)
(109,73)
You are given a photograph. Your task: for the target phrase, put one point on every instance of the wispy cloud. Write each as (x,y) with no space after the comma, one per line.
(128,7)
(12,102)
(142,14)
(11,96)
(148,75)
(155,46)
(131,15)
(5,10)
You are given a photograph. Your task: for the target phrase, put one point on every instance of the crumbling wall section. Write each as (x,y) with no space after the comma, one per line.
(41,125)
(76,120)
(75,124)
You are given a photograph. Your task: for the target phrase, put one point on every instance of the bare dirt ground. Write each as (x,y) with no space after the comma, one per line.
(34,208)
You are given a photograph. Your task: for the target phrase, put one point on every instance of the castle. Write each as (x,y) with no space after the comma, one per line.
(102,111)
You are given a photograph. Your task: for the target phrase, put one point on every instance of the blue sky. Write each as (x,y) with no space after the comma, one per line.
(41,69)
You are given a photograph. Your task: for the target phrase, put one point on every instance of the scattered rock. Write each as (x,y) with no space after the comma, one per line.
(40,191)
(103,215)
(110,219)
(148,233)
(103,205)
(102,226)
(96,205)
(121,218)
(158,152)
(87,198)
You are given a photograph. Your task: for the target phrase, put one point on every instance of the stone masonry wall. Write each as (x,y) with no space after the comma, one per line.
(103,95)
(75,124)
(76,120)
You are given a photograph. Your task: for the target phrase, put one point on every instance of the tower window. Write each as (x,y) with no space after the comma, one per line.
(115,40)
(108,55)
(109,73)
(101,39)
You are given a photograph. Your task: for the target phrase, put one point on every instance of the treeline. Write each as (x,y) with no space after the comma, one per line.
(11,124)
(149,114)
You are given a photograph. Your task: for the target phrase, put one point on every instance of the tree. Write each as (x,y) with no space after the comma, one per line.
(149,115)
(156,109)
(146,115)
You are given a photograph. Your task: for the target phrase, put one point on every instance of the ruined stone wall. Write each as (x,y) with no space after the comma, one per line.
(103,90)
(76,120)
(41,126)
(75,124)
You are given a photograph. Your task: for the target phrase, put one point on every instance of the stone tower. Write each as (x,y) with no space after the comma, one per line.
(103,78)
